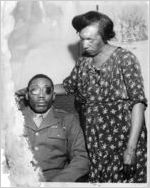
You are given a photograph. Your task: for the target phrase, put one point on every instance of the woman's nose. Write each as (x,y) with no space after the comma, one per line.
(85,44)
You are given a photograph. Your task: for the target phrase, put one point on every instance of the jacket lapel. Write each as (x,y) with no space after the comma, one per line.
(28,117)
(49,120)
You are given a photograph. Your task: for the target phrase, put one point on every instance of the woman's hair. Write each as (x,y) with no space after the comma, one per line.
(40,76)
(105,23)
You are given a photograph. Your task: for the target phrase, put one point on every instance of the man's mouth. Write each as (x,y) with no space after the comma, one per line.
(41,104)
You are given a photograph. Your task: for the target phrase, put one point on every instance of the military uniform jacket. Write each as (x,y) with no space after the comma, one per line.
(58,145)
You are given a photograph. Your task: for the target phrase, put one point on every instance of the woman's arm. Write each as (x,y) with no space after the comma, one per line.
(59,89)
(133,79)
(137,120)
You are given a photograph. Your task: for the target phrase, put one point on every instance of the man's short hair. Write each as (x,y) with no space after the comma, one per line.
(40,76)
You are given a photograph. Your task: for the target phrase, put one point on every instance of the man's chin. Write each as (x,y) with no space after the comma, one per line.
(40,110)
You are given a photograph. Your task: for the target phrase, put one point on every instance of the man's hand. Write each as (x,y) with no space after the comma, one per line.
(20,97)
(21,92)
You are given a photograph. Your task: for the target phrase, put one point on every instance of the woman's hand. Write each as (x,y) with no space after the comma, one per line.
(129,163)
(129,156)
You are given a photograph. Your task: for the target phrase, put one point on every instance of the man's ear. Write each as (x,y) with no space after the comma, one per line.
(54,96)
(26,96)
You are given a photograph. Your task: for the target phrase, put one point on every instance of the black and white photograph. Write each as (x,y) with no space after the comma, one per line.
(74,108)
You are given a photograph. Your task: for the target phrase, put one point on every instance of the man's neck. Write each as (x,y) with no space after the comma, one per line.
(34,114)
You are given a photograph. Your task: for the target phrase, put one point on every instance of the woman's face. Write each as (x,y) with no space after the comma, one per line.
(91,40)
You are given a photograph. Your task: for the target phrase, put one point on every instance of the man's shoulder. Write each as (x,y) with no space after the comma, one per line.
(60,113)
(68,120)
(25,110)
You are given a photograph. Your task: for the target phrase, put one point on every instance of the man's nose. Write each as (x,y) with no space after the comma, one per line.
(41,94)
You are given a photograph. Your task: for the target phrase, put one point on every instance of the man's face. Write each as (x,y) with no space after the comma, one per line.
(91,40)
(40,95)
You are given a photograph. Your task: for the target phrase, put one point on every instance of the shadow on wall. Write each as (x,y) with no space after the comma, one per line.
(35,25)
(75,50)
(38,42)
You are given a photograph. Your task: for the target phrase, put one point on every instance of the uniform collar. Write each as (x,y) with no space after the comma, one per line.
(33,114)
(49,119)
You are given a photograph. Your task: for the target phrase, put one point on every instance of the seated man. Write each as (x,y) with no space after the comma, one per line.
(55,136)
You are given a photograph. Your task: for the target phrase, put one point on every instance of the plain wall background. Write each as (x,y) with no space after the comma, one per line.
(44,41)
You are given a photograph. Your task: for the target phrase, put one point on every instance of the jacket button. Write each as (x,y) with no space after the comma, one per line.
(36,148)
(37,134)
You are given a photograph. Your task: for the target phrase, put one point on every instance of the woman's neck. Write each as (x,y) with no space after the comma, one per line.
(103,54)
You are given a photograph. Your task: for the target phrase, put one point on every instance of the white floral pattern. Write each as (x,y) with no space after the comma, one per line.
(107,96)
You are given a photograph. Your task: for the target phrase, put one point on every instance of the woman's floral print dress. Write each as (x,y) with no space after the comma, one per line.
(107,95)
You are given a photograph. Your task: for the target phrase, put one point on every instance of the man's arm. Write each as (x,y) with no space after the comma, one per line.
(21,92)
(79,163)
(20,98)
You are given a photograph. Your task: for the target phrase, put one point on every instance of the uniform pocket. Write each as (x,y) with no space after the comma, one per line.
(57,138)
(56,133)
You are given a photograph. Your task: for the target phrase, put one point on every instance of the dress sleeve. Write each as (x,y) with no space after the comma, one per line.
(70,83)
(133,79)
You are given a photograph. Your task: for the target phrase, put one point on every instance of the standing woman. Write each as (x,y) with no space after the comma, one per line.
(108,85)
